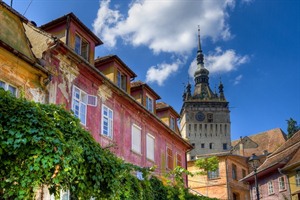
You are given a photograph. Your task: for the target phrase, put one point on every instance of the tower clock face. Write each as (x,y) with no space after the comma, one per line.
(200,116)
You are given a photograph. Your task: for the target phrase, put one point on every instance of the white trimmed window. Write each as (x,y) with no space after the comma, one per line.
(8,87)
(172,123)
(149,103)
(136,133)
(281,183)
(79,104)
(64,195)
(81,46)
(150,142)
(270,188)
(80,101)
(107,121)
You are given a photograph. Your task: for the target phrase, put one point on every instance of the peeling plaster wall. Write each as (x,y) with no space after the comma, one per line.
(21,75)
(39,40)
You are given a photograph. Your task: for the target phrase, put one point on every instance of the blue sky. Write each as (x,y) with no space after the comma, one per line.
(253,46)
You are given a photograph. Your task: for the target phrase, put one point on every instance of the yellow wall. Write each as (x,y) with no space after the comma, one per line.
(292,184)
(224,186)
(21,75)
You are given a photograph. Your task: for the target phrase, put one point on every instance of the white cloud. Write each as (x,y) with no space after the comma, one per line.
(220,61)
(238,79)
(161,72)
(163,26)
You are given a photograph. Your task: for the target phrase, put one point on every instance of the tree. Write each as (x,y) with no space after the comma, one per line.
(207,164)
(45,145)
(292,127)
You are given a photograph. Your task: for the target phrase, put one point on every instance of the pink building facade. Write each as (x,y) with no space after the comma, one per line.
(119,114)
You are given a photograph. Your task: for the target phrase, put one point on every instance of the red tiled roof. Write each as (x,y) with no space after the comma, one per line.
(284,155)
(268,140)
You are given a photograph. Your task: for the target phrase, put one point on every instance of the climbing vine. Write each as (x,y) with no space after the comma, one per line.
(45,145)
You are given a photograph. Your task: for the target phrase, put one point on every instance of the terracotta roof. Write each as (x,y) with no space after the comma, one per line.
(73,16)
(160,106)
(136,84)
(268,140)
(285,154)
(106,58)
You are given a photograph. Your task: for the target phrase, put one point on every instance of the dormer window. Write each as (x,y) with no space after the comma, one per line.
(172,123)
(122,81)
(81,47)
(149,103)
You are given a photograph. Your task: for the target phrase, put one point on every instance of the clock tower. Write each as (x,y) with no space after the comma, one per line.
(205,115)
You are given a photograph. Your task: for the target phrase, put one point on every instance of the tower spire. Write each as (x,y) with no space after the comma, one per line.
(200,57)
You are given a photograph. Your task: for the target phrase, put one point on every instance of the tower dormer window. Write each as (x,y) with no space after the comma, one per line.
(81,47)
(210,118)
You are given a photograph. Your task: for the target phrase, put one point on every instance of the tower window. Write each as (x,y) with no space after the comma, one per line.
(195,127)
(211,145)
(209,117)
(202,145)
(224,146)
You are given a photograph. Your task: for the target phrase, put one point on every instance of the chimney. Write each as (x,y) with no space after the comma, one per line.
(241,146)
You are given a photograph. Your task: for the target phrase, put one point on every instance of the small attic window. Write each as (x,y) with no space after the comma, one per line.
(172,123)
(81,47)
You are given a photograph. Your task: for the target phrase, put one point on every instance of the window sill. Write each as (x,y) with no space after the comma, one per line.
(107,137)
(137,153)
(283,190)
(214,178)
(150,160)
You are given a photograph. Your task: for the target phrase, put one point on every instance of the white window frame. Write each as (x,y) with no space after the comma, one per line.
(79,104)
(78,50)
(281,183)
(149,103)
(61,193)
(270,188)
(136,139)
(82,99)
(8,87)
(150,147)
(107,116)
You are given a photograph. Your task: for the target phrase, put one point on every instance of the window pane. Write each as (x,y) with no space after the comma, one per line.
(78,106)
(150,147)
(107,121)
(136,139)
(2,84)
(77,44)
(85,49)
(12,89)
